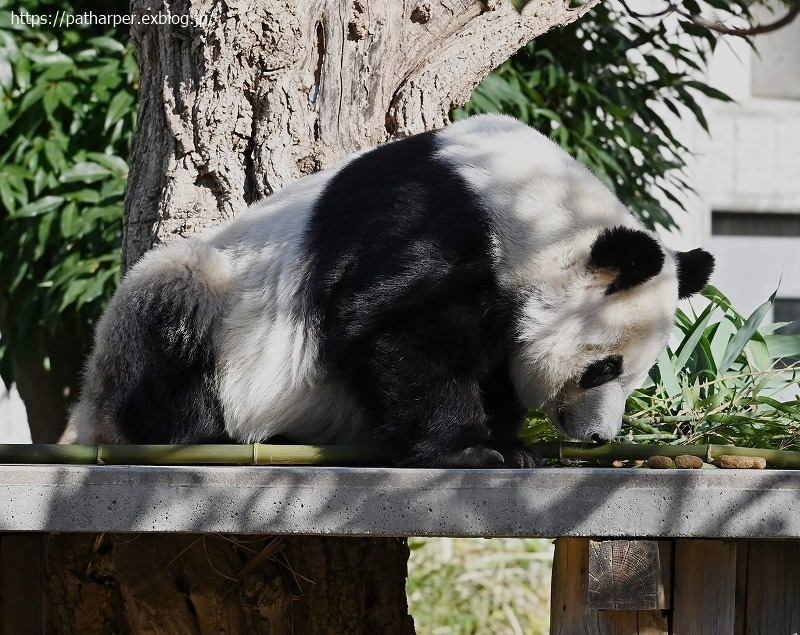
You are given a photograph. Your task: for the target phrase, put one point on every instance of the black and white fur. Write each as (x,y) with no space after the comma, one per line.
(422,295)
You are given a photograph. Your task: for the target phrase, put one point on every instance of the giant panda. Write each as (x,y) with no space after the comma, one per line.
(422,296)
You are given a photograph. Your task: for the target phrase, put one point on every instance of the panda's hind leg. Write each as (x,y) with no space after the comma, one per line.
(151,375)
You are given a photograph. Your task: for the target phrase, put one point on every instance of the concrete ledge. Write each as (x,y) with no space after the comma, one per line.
(400,502)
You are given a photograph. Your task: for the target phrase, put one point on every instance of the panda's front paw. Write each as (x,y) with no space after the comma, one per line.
(511,454)
(517,453)
(477,456)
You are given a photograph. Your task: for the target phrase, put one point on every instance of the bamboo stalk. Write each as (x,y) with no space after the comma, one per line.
(633,451)
(267,454)
(209,454)
(43,453)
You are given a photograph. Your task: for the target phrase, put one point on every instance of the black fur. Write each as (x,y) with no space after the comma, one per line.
(635,255)
(694,271)
(409,312)
(601,372)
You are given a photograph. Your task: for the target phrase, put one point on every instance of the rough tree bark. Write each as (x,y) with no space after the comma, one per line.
(253,94)
(246,97)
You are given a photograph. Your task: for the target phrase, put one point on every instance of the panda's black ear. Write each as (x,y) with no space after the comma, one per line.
(634,255)
(694,270)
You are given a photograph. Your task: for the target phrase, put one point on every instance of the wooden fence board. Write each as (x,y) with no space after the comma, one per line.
(704,587)
(771,595)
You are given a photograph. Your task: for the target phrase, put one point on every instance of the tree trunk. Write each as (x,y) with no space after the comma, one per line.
(243,98)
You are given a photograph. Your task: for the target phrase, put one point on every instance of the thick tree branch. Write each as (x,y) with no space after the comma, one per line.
(253,95)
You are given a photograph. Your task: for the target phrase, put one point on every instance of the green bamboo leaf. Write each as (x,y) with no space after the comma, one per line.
(32,96)
(712,294)
(66,92)
(709,91)
(744,334)
(696,331)
(74,290)
(786,409)
(668,375)
(757,353)
(6,74)
(105,43)
(43,234)
(6,195)
(69,221)
(692,105)
(783,345)
(86,171)
(54,151)
(95,288)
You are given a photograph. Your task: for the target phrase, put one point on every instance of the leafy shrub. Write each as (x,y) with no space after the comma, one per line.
(474,585)
(67,113)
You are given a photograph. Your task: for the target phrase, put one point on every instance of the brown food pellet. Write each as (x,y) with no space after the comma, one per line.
(659,462)
(729,462)
(688,462)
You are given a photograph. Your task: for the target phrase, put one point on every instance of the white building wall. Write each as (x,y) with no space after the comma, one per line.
(750,163)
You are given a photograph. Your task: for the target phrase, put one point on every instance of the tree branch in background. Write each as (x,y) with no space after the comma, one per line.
(756,29)
(716,25)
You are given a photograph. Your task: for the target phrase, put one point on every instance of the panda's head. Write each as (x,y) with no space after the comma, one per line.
(595,321)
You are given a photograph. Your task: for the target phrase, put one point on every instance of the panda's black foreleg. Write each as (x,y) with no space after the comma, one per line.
(425,403)
(505,418)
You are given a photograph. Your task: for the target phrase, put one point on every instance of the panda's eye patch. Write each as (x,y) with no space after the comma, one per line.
(601,371)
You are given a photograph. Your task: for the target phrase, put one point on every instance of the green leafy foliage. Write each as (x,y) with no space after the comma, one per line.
(601,88)
(67,113)
(729,379)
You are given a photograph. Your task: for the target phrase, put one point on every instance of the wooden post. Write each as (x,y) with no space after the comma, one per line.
(577,577)
(630,574)
(634,586)
(568,610)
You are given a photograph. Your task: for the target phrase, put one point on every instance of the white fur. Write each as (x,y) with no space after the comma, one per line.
(270,380)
